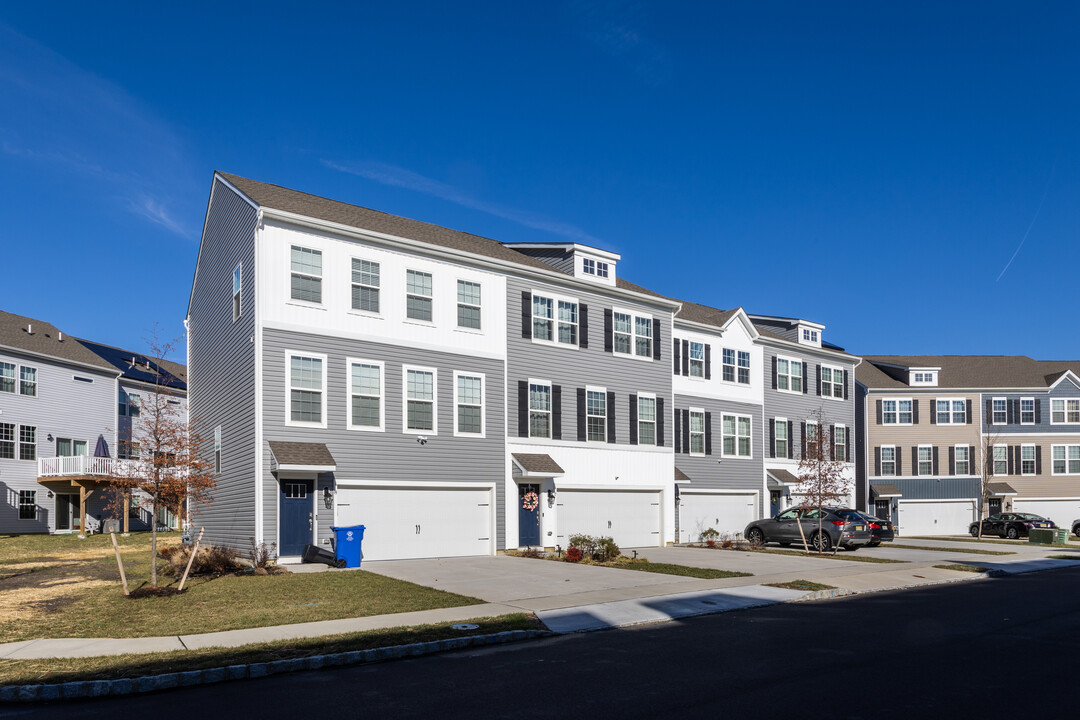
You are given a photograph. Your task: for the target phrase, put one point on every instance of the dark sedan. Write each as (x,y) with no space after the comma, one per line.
(1011,525)
(880,530)
(823,529)
(1076,528)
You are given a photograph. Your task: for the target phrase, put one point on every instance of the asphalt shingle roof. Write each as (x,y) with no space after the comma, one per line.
(538,463)
(300,453)
(45,340)
(968,371)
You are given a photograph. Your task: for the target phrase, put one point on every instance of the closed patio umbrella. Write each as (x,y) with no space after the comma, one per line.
(102,447)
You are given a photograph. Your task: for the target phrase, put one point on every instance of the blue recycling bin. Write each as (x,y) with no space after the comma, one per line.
(347,544)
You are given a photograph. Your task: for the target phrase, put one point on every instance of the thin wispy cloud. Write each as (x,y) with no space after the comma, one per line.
(65,119)
(400,177)
(618,28)
(1038,210)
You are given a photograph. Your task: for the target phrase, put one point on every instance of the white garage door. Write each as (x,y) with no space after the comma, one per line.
(632,519)
(936,517)
(1062,512)
(728,514)
(407,523)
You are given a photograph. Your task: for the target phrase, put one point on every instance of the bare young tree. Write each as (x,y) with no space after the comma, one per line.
(172,470)
(985,478)
(821,472)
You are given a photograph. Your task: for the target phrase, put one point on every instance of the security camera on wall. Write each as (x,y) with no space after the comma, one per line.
(422,440)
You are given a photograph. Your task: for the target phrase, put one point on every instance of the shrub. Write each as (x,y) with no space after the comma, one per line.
(573,554)
(597,549)
(261,555)
(533,553)
(710,536)
(211,560)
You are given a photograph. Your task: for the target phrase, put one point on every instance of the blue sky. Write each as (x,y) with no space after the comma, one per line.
(906,174)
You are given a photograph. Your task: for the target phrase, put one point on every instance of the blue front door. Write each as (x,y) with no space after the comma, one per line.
(297,516)
(528,515)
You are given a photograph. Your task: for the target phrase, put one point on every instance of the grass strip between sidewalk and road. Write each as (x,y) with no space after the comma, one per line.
(996,541)
(829,556)
(801,585)
(112,667)
(972,551)
(1074,558)
(681,570)
(962,567)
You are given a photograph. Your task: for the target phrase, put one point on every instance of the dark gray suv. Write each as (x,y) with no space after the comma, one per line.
(838,526)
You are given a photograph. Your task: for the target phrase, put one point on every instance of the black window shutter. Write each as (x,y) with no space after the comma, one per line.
(899,461)
(772,438)
(708,433)
(685,357)
(915,411)
(656,339)
(1010,453)
(582,435)
(583,325)
(845,384)
(633,419)
(877,461)
(832,442)
(805,381)
(914,459)
(972,470)
(969,412)
(526,314)
(609,331)
(660,422)
(933,411)
(556,412)
(878,412)
(686,431)
(989,419)
(774,372)
(675,354)
(678,431)
(952,460)
(790,442)
(708,362)
(611,417)
(819,379)
(1038,411)
(523,408)
(1009,417)
(802,433)
(1038,459)
(935,460)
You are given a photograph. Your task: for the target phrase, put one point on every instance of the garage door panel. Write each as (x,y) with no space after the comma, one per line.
(404,523)
(1062,512)
(727,513)
(632,519)
(936,518)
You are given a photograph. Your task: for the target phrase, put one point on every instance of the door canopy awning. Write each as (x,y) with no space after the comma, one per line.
(681,478)
(885,490)
(1000,489)
(537,465)
(300,457)
(779,478)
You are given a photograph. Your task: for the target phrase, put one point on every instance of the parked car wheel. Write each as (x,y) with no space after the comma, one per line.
(1012,533)
(1076,530)
(974,530)
(821,541)
(755,537)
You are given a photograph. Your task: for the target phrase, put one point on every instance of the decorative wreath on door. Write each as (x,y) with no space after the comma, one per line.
(530,501)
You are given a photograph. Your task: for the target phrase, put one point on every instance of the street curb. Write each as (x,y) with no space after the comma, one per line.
(152,683)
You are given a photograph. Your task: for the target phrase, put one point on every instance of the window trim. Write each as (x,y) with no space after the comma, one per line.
(1034,464)
(790,361)
(14,441)
(483,404)
(898,400)
(777,423)
(883,461)
(833,369)
(32,504)
(555,322)
(289,355)
(993,412)
(602,391)
(434,431)
(459,304)
(20,442)
(750,436)
(846,444)
(322,294)
(349,362)
(690,360)
(430,298)
(639,421)
(1066,446)
(377,288)
(1033,418)
(918,458)
(549,412)
(634,337)
(994,461)
(956,460)
(217,450)
(238,290)
(1065,410)
(691,433)
(951,410)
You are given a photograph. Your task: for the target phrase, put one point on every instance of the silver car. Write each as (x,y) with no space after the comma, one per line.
(823,529)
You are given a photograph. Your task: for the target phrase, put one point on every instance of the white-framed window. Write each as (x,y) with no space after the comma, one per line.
(1064,412)
(129,404)
(236,286)
(962,459)
(594,267)
(832,382)
(66,447)
(646,419)
(736,436)
(1027,459)
(28,504)
(896,412)
(780,437)
(924,378)
(999,411)
(7,377)
(306,399)
(7,441)
(27,442)
(840,443)
(744,367)
(643,338)
(27,381)
(306,274)
(728,364)
(789,375)
(421,400)
(697,431)
(601,269)
(365,389)
(366,285)
(129,450)
(469,404)
(888,459)
(418,295)
(950,412)
(539,408)
(555,320)
(217,450)
(1001,460)
(810,335)
(468,304)
(1027,411)
(1065,458)
(697,359)
(926,460)
(596,415)
(632,334)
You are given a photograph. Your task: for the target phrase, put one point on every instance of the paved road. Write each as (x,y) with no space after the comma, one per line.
(953,651)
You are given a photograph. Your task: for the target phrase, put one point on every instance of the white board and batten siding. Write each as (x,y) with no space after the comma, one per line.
(936,517)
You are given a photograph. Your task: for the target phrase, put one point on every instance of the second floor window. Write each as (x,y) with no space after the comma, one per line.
(1065,412)
(7,441)
(539,410)
(365,396)
(7,377)
(420,389)
(1027,459)
(962,455)
(646,420)
(1001,460)
(697,359)
(736,429)
(1066,459)
(305,389)
(896,412)
(366,282)
(999,411)
(780,428)
(728,356)
(470,404)
(832,382)
(1027,411)
(596,415)
(418,295)
(840,443)
(888,460)
(951,412)
(744,367)
(306,275)
(545,325)
(926,460)
(789,375)
(468,309)
(27,442)
(697,432)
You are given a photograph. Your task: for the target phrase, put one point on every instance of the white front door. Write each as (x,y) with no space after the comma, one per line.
(728,514)
(935,517)
(630,518)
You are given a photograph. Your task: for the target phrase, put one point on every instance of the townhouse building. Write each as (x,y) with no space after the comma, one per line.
(810,390)
(952,438)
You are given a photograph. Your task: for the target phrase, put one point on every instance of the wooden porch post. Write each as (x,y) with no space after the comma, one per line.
(127,511)
(82,511)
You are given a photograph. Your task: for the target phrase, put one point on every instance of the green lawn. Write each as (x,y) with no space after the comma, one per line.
(672,569)
(1064,557)
(950,549)
(59,670)
(998,541)
(962,567)
(842,555)
(60,586)
(802,585)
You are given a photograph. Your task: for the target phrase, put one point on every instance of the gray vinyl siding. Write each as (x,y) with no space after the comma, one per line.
(710,472)
(797,407)
(861,490)
(574,367)
(784,329)
(390,455)
(920,488)
(1042,422)
(221,367)
(63,408)
(559,259)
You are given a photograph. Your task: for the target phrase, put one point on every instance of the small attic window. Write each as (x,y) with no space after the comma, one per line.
(594,267)
(809,335)
(924,377)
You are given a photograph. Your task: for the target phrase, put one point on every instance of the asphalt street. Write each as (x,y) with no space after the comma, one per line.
(962,650)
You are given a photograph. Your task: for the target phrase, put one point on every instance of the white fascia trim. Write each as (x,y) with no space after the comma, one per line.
(413,484)
(702,491)
(939,500)
(610,488)
(1068,374)
(257,340)
(481,260)
(381,339)
(315,469)
(569,247)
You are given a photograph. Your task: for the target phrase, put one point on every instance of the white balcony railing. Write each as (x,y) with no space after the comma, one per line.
(75,465)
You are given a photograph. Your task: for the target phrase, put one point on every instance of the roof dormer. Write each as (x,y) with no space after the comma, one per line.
(581,261)
(809,333)
(923,376)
